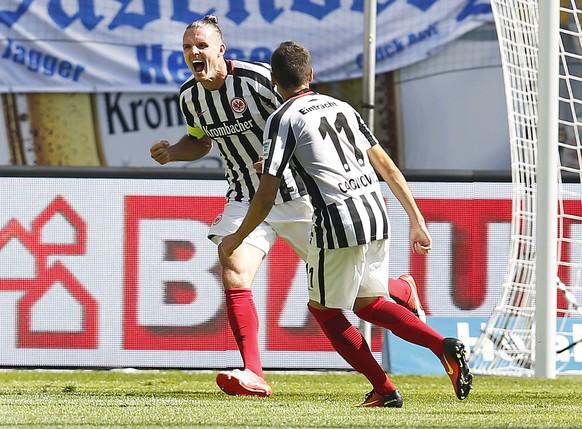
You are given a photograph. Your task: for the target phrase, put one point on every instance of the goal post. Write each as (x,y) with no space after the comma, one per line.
(532,331)
(546,190)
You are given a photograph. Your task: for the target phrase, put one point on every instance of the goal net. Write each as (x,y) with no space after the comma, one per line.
(506,345)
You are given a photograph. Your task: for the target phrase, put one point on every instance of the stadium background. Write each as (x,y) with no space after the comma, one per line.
(103,255)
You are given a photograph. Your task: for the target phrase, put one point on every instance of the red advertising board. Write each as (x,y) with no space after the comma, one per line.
(120,273)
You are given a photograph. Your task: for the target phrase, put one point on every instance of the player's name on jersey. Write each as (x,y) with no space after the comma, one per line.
(357,182)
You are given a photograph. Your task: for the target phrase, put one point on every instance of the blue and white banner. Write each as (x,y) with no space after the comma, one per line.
(136,45)
(402,357)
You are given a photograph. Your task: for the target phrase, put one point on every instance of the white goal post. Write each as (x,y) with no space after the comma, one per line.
(536,327)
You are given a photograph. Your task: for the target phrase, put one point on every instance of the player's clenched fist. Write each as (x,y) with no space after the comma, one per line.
(161,152)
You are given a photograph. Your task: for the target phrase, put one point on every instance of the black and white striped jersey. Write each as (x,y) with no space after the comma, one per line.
(234,117)
(326,141)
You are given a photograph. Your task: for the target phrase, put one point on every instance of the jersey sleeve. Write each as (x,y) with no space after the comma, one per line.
(363,128)
(278,144)
(193,126)
(269,96)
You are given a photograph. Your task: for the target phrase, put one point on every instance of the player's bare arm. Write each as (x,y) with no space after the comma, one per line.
(420,239)
(188,148)
(259,208)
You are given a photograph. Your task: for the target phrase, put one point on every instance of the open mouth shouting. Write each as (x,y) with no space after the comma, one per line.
(198,66)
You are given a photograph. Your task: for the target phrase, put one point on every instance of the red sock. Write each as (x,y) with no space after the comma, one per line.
(244,323)
(403,324)
(399,290)
(349,343)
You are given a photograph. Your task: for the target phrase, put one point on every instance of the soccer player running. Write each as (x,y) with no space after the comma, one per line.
(229,101)
(336,155)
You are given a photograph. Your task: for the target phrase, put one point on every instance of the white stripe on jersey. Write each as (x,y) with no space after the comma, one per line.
(326,141)
(234,116)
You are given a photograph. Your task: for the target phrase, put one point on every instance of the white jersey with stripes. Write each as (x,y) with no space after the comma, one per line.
(234,117)
(325,140)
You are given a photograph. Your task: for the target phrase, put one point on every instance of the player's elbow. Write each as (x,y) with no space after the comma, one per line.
(206,143)
(265,198)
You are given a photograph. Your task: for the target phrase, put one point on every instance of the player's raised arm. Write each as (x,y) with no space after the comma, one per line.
(420,239)
(188,148)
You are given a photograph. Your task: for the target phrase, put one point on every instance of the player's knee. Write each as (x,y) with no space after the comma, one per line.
(363,302)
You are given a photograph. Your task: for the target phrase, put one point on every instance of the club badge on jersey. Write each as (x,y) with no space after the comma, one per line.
(238,105)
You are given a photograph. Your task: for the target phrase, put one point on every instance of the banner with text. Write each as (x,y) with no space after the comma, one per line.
(408,358)
(135,45)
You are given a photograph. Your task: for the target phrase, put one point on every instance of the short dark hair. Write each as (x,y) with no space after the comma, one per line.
(207,21)
(291,64)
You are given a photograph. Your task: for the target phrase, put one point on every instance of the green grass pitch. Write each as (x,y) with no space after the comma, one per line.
(191,399)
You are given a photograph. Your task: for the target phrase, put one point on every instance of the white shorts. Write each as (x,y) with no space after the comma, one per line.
(291,221)
(336,277)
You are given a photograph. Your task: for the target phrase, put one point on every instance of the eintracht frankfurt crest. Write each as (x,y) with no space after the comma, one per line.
(238,105)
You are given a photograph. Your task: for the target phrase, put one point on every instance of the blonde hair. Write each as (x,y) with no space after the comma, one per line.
(208,21)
